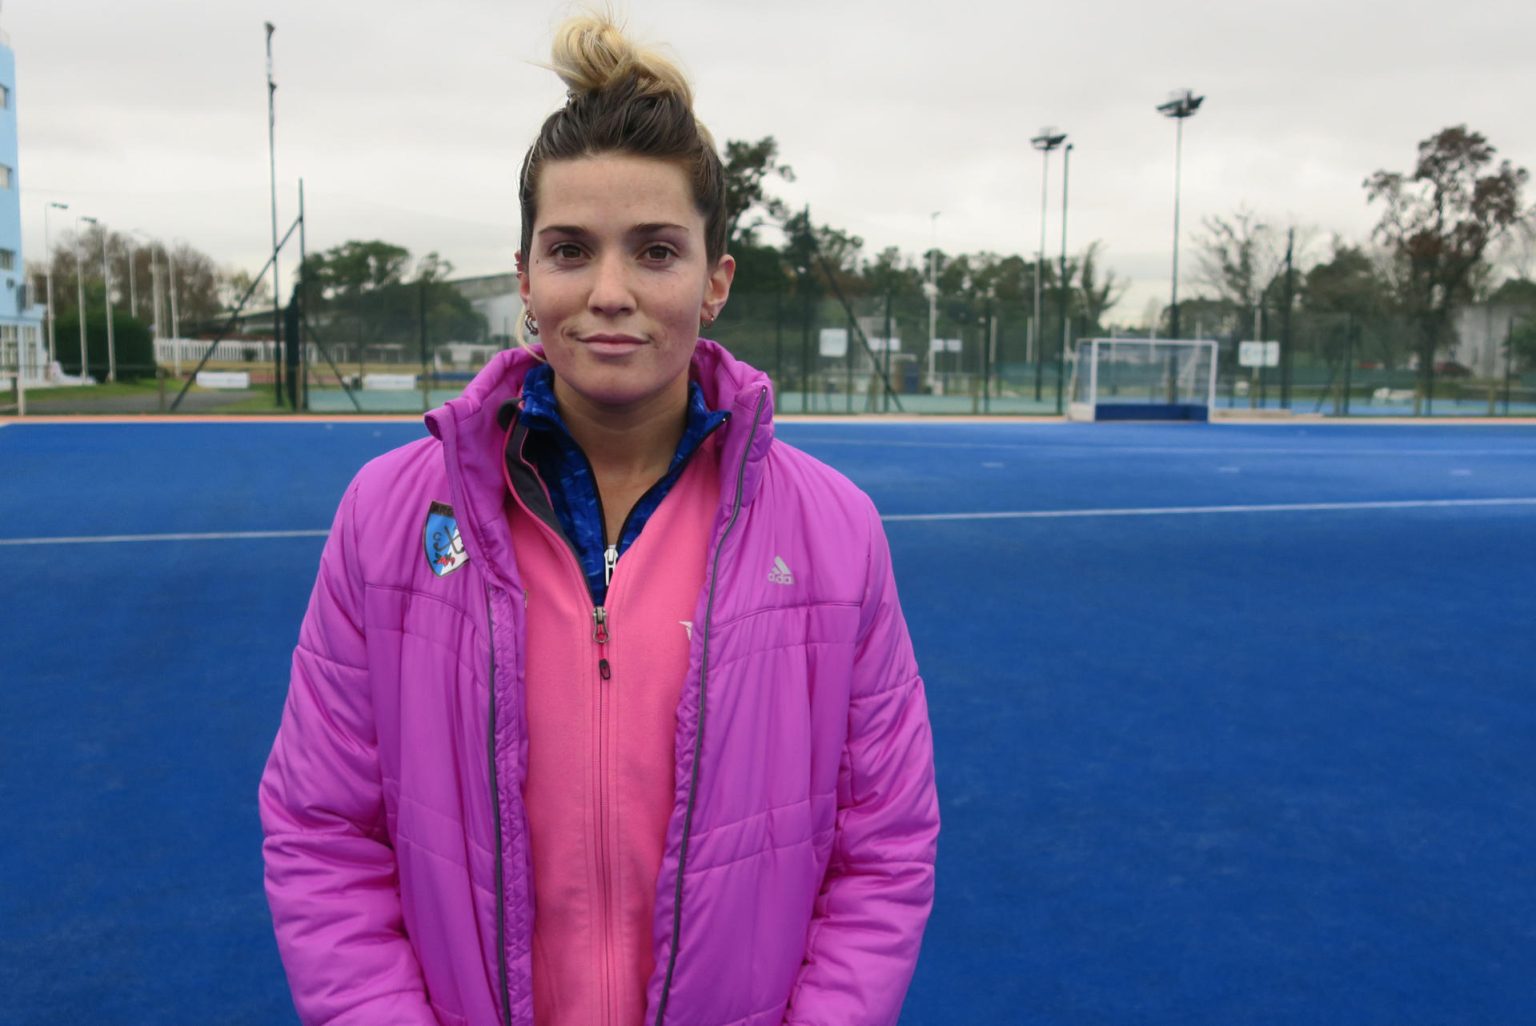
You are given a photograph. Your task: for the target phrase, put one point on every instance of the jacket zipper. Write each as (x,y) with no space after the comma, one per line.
(490,733)
(600,637)
(698,736)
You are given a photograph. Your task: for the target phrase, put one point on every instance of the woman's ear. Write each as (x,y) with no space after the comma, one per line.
(718,289)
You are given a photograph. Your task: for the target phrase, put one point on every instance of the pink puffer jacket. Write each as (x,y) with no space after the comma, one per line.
(798,872)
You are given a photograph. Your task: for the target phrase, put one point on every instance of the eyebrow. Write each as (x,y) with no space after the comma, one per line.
(649,228)
(653,228)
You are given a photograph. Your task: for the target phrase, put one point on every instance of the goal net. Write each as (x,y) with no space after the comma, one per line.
(1143,379)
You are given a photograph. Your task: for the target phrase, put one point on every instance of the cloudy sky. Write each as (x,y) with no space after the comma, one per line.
(407,121)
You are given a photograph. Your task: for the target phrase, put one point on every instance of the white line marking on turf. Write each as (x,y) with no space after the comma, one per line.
(1174,450)
(1164,511)
(103,539)
(1022,514)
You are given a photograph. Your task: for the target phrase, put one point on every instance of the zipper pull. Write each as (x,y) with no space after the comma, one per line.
(610,560)
(600,625)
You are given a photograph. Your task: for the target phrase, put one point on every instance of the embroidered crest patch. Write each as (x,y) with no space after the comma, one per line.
(440,536)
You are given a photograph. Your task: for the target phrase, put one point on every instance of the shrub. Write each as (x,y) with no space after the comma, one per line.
(135,348)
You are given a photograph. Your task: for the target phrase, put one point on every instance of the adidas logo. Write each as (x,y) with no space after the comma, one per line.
(780,573)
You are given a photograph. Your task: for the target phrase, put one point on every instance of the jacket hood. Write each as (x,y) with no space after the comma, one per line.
(472,436)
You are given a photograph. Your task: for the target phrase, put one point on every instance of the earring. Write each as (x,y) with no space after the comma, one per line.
(529,324)
(708,318)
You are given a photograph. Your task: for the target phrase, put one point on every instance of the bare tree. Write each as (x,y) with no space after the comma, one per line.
(1238,257)
(198,280)
(1097,296)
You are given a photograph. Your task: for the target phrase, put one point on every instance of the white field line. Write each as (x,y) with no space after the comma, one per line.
(895,518)
(1321,450)
(111,539)
(1164,511)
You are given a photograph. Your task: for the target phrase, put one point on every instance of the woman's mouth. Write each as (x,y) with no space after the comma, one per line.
(612,345)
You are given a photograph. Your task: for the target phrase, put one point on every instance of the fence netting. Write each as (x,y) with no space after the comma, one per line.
(826,355)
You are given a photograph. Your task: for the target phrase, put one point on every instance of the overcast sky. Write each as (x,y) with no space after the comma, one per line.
(407,121)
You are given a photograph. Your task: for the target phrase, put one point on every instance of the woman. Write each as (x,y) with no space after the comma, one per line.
(603,710)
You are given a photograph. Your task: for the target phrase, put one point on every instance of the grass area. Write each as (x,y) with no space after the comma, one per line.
(105,390)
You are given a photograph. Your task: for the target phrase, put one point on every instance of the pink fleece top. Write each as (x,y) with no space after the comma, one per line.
(602,705)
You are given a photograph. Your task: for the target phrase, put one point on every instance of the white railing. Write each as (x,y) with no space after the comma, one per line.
(191,350)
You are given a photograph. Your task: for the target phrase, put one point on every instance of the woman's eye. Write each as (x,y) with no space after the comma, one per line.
(566,251)
(659,253)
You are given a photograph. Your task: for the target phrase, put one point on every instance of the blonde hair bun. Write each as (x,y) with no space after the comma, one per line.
(591,54)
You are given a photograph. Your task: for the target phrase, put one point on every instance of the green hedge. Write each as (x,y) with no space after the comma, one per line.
(131,339)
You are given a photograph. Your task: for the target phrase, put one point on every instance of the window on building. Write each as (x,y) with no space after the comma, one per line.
(7,260)
(5,177)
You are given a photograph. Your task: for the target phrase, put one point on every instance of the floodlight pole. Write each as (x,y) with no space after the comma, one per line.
(48,247)
(1182,105)
(1045,142)
(1066,295)
(106,279)
(277,290)
(133,296)
(933,297)
(80,293)
(170,270)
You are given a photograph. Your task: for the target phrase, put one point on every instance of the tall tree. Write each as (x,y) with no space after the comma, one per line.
(748,166)
(1348,282)
(371,291)
(890,273)
(813,251)
(1439,223)
(199,281)
(1098,296)
(1516,292)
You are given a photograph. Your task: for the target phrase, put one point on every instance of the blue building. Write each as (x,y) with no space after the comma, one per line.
(21,335)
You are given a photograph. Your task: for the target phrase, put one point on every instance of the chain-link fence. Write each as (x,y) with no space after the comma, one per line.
(868,354)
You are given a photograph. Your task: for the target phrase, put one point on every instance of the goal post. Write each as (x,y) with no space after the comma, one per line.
(1143,379)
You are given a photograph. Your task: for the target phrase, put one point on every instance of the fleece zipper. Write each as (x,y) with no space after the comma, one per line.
(698,736)
(601,638)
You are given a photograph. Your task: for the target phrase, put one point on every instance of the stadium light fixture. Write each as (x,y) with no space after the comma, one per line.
(1180,105)
(1048,140)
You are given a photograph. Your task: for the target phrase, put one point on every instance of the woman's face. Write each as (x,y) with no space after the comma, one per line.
(618,279)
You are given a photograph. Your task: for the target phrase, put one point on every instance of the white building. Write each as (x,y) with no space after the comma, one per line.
(1481,331)
(495,297)
(21,332)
